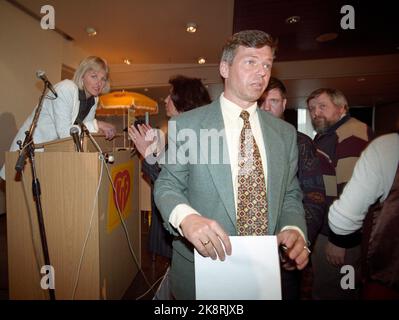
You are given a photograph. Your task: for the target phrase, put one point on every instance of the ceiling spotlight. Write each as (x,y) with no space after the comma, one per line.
(91,31)
(127,61)
(293,19)
(325,37)
(361,79)
(201,60)
(191,27)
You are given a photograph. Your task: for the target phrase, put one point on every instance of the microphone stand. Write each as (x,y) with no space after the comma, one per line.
(108,158)
(87,132)
(27,149)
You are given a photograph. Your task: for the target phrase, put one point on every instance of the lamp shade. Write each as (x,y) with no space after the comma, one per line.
(119,101)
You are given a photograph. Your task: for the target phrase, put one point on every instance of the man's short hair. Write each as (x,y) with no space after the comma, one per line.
(336,96)
(274,83)
(249,39)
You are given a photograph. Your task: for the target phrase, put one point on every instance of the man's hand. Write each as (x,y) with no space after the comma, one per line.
(207,236)
(335,255)
(297,249)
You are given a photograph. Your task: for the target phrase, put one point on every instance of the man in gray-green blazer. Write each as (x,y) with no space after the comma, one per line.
(196,190)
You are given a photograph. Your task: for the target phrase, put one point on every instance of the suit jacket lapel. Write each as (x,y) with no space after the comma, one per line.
(275,168)
(220,171)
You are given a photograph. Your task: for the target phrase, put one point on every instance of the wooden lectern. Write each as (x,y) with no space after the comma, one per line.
(72,211)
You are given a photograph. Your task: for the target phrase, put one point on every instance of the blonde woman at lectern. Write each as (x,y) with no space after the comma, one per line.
(76,102)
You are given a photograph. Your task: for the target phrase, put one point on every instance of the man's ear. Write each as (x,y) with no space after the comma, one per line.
(224,69)
(343,110)
(284,103)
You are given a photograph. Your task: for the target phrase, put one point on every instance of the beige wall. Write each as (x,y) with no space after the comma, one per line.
(157,75)
(26,48)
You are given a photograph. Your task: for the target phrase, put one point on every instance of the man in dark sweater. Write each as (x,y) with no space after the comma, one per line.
(274,100)
(340,139)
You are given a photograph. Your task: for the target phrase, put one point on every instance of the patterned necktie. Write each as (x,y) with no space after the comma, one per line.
(251,196)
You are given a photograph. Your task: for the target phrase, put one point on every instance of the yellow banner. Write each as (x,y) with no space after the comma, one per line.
(122,177)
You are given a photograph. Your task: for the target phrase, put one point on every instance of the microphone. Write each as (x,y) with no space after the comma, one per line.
(74,132)
(42,75)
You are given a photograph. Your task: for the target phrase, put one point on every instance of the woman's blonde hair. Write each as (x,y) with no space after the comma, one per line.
(91,63)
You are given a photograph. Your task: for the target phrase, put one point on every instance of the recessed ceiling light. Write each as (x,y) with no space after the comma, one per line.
(293,19)
(191,27)
(201,60)
(91,31)
(146,89)
(127,61)
(325,37)
(361,79)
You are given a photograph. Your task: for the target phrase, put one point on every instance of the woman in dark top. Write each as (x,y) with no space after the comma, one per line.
(185,94)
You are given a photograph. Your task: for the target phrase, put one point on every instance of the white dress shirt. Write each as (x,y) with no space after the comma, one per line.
(233,125)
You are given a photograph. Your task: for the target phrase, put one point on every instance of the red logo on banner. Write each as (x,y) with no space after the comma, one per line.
(122,187)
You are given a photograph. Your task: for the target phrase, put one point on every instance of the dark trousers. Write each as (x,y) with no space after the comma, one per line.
(375,291)
(290,284)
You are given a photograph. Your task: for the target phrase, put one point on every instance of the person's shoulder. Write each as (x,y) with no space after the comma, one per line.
(66,84)
(304,138)
(386,142)
(382,154)
(276,123)
(387,138)
(66,87)
(353,124)
(353,128)
(195,115)
(203,110)
(305,141)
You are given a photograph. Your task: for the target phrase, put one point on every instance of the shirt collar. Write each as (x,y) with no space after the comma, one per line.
(233,110)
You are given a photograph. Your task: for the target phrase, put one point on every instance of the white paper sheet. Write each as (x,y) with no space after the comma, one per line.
(252,272)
